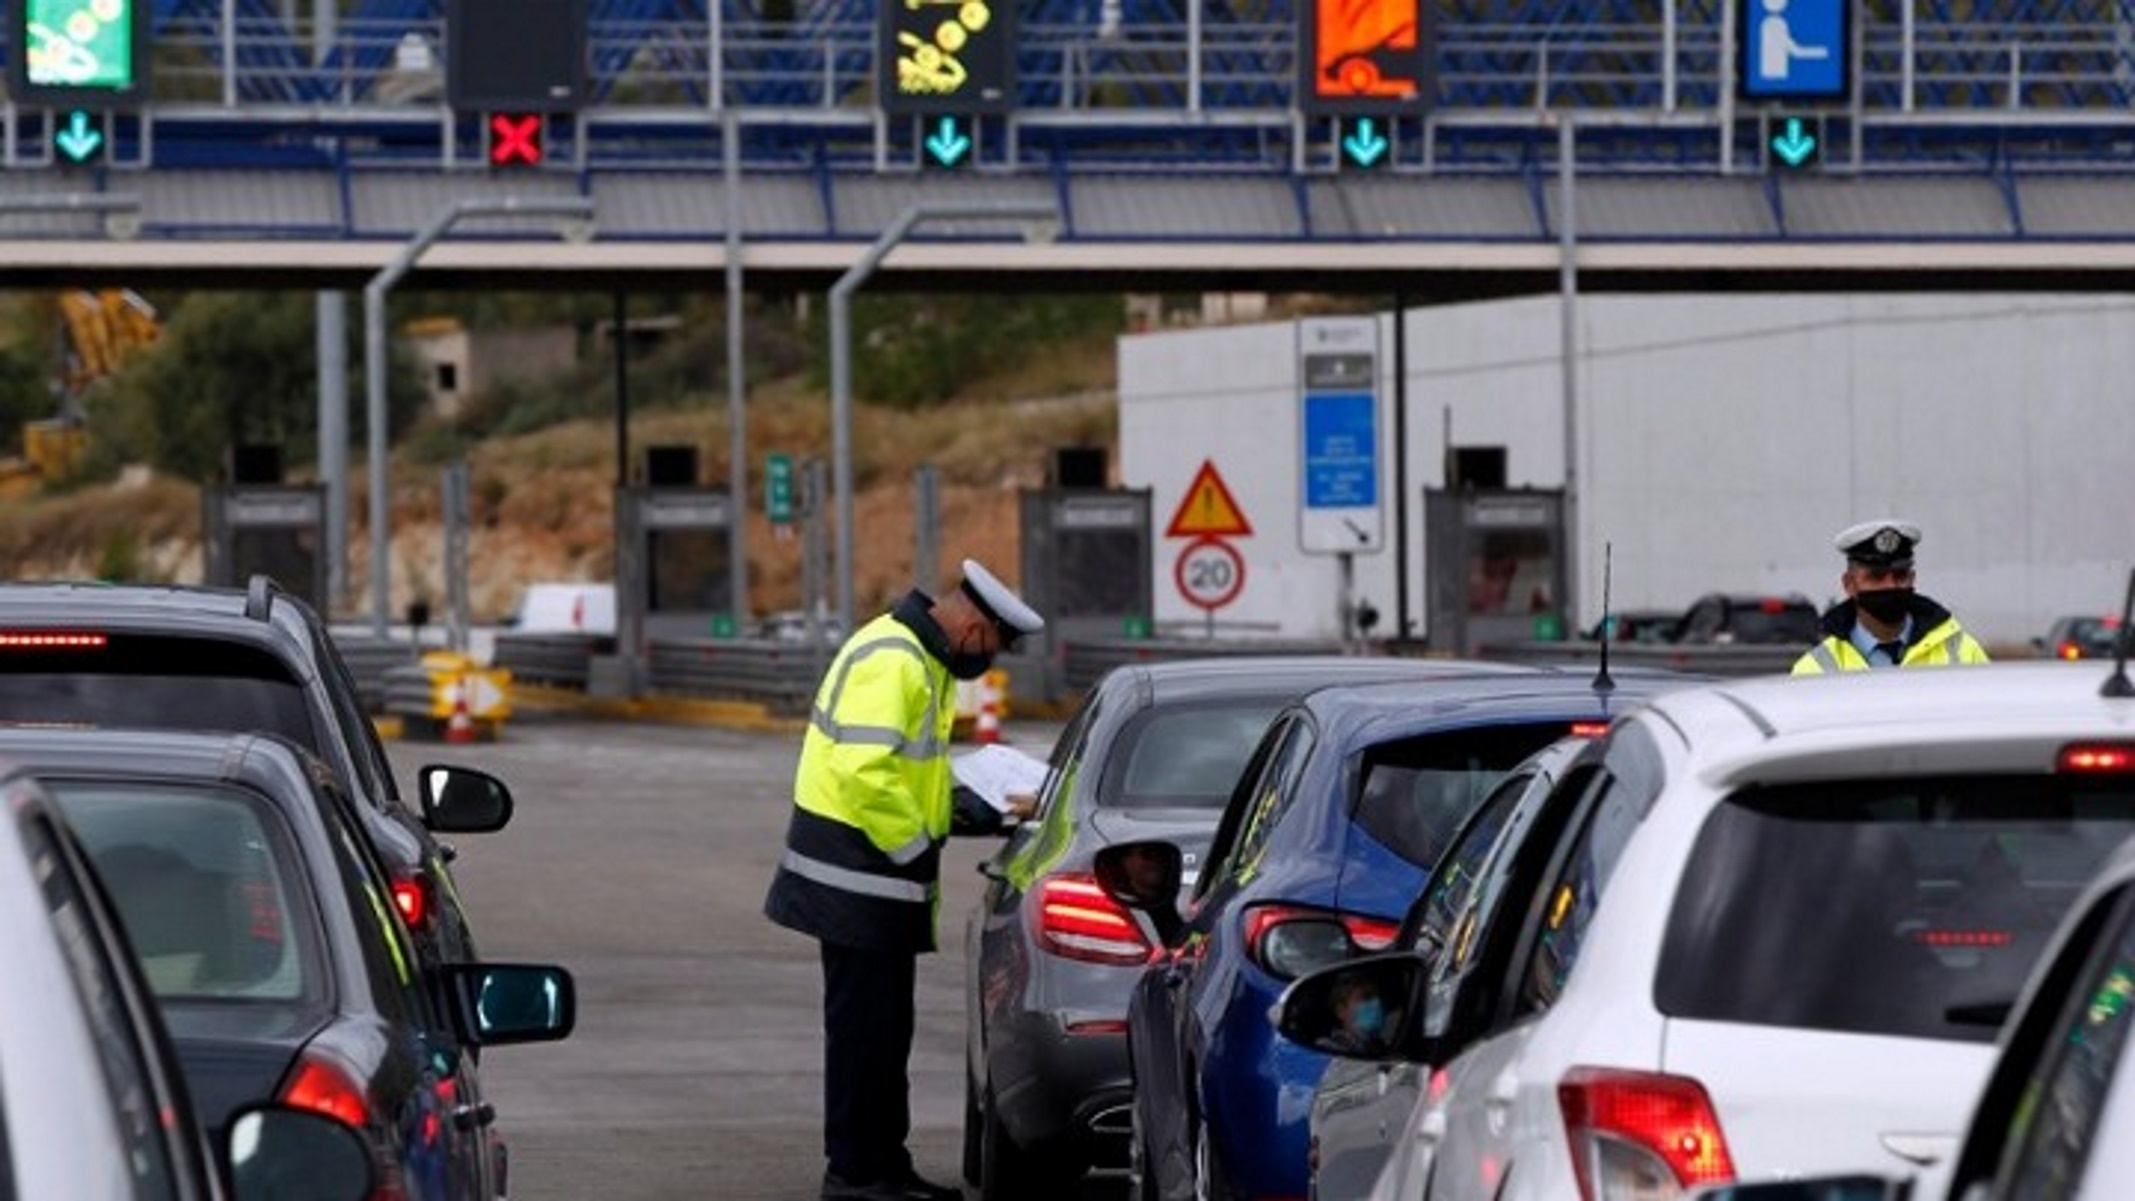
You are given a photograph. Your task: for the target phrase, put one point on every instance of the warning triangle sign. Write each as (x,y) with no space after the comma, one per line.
(1208,509)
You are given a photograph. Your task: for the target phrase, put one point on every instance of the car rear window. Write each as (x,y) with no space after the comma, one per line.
(208,883)
(1190,757)
(1910,908)
(1414,794)
(1773,623)
(156,682)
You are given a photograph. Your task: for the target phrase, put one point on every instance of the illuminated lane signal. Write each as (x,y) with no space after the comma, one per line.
(1799,142)
(516,139)
(79,140)
(949,141)
(1365,141)
(946,56)
(1365,56)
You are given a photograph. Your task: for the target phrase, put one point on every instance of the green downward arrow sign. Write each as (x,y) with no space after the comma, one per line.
(1794,145)
(77,139)
(948,144)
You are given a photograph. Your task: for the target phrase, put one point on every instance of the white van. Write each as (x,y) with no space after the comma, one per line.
(569,607)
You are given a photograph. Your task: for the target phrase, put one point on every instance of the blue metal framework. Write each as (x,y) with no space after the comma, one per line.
(1156,84)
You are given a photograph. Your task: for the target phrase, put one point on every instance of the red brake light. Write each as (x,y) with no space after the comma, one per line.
(323,1087)
(1624,1124)
(1076,920)
(1963,938)
(49,642)
(2097,757)
(412,900)
(1588,729)
(1772,604)
(2069,650)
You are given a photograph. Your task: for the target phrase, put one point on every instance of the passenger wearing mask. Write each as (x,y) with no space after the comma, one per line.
(872,804)
(1883,622)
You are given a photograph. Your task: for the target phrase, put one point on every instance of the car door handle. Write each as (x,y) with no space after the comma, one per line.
(469,1117)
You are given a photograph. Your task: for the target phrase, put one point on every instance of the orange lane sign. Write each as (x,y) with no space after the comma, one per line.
(1208,510)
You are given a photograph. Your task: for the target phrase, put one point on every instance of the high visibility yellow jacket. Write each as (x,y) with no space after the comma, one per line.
(1939,641)
(871,797)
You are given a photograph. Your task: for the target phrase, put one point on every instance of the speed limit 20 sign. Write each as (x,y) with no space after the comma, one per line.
(1209,573)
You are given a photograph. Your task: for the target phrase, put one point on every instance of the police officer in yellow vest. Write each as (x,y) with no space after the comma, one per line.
(872,803)
(1883,622)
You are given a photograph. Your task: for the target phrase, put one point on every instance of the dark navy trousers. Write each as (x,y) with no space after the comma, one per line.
(867,1043)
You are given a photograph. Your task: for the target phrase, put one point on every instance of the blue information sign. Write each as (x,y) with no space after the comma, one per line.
(1341,452)
(1794,49)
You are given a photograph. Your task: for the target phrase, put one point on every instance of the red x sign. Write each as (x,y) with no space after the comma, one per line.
(515,139)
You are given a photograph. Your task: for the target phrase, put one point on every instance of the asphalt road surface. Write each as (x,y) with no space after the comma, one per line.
(638,857)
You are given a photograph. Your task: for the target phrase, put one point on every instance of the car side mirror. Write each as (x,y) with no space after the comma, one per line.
(462,800)
(499,1003)
(1145,876)
(275,1153)
(1363,1008)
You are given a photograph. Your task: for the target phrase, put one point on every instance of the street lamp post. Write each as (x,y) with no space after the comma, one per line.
(374,357)
(1036,215)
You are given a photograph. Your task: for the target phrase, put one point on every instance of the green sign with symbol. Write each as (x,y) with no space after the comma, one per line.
(1365,142)
(1796,144)
(79,139)
(778,489)
(77,52)
(948,142)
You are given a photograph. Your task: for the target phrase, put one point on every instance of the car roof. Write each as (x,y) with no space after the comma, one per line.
(1349,711)
(1186,679)
(260,760)
(1998,716)
(161,608)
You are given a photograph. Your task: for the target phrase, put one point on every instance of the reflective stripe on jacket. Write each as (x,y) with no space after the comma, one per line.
(871,797)
(1945,645)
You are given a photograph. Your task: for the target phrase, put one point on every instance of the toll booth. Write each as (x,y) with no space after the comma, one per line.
(1087,555)
(673,578)
(275,530)
(1496,567)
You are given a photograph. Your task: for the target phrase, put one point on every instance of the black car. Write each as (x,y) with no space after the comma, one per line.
(1152,752)
(2080,638)
(259,914)
(1749,619)
(92,1102)
(230,660)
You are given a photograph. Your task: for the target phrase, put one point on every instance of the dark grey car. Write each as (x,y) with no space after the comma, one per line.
(1152,753)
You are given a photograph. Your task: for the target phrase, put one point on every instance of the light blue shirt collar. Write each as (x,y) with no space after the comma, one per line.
(1865,642)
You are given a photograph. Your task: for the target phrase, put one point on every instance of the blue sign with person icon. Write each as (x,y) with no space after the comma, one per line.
(1794,49)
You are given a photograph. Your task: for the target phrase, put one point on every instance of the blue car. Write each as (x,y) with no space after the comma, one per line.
(1349,799)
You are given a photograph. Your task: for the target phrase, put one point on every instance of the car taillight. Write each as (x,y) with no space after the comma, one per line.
(15,641)
(2069,650)
(323,1086)
(412,899)
(1588,729)
(1290,940)
(1963,938)
(2103,758)
(1076,920)
(1640,1134)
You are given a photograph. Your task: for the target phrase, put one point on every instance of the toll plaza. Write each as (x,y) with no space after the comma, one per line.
(254,527)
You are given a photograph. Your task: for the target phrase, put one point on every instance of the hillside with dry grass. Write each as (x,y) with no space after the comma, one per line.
(543,502)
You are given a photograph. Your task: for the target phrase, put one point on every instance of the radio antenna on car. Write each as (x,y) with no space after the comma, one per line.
(1602,680)
(2117,684)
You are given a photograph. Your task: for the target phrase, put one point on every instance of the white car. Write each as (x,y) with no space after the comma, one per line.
(1798,908)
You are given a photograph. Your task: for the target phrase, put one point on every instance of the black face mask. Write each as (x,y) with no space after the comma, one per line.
(967,665)
(1887,605)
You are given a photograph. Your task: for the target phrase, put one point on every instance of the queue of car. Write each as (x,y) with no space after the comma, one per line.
(259,924)
(1720,933)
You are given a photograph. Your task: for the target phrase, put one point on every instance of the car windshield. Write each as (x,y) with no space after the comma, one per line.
(1912,907)
(205,881)
(155,682)
(1191,756)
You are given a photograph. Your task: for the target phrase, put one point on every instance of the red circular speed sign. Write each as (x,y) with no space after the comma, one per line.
(1210,572)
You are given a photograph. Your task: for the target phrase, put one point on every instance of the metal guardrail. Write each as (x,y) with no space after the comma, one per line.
(778,674)
(371,660)
(1711,660)
(557,660)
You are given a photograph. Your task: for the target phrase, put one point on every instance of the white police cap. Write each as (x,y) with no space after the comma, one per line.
(997,601)
(1884,542)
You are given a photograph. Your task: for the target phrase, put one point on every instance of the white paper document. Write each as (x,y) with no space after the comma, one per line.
(998,772)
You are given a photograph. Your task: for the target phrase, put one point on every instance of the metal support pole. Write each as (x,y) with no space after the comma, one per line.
(458,530)
(737,388)
(813,568)
(1568,280)
(333,440)
(841,381)
(374,363)
(926,520)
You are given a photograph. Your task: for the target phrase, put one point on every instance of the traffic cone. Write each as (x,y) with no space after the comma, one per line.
(987,729)
(460,727)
